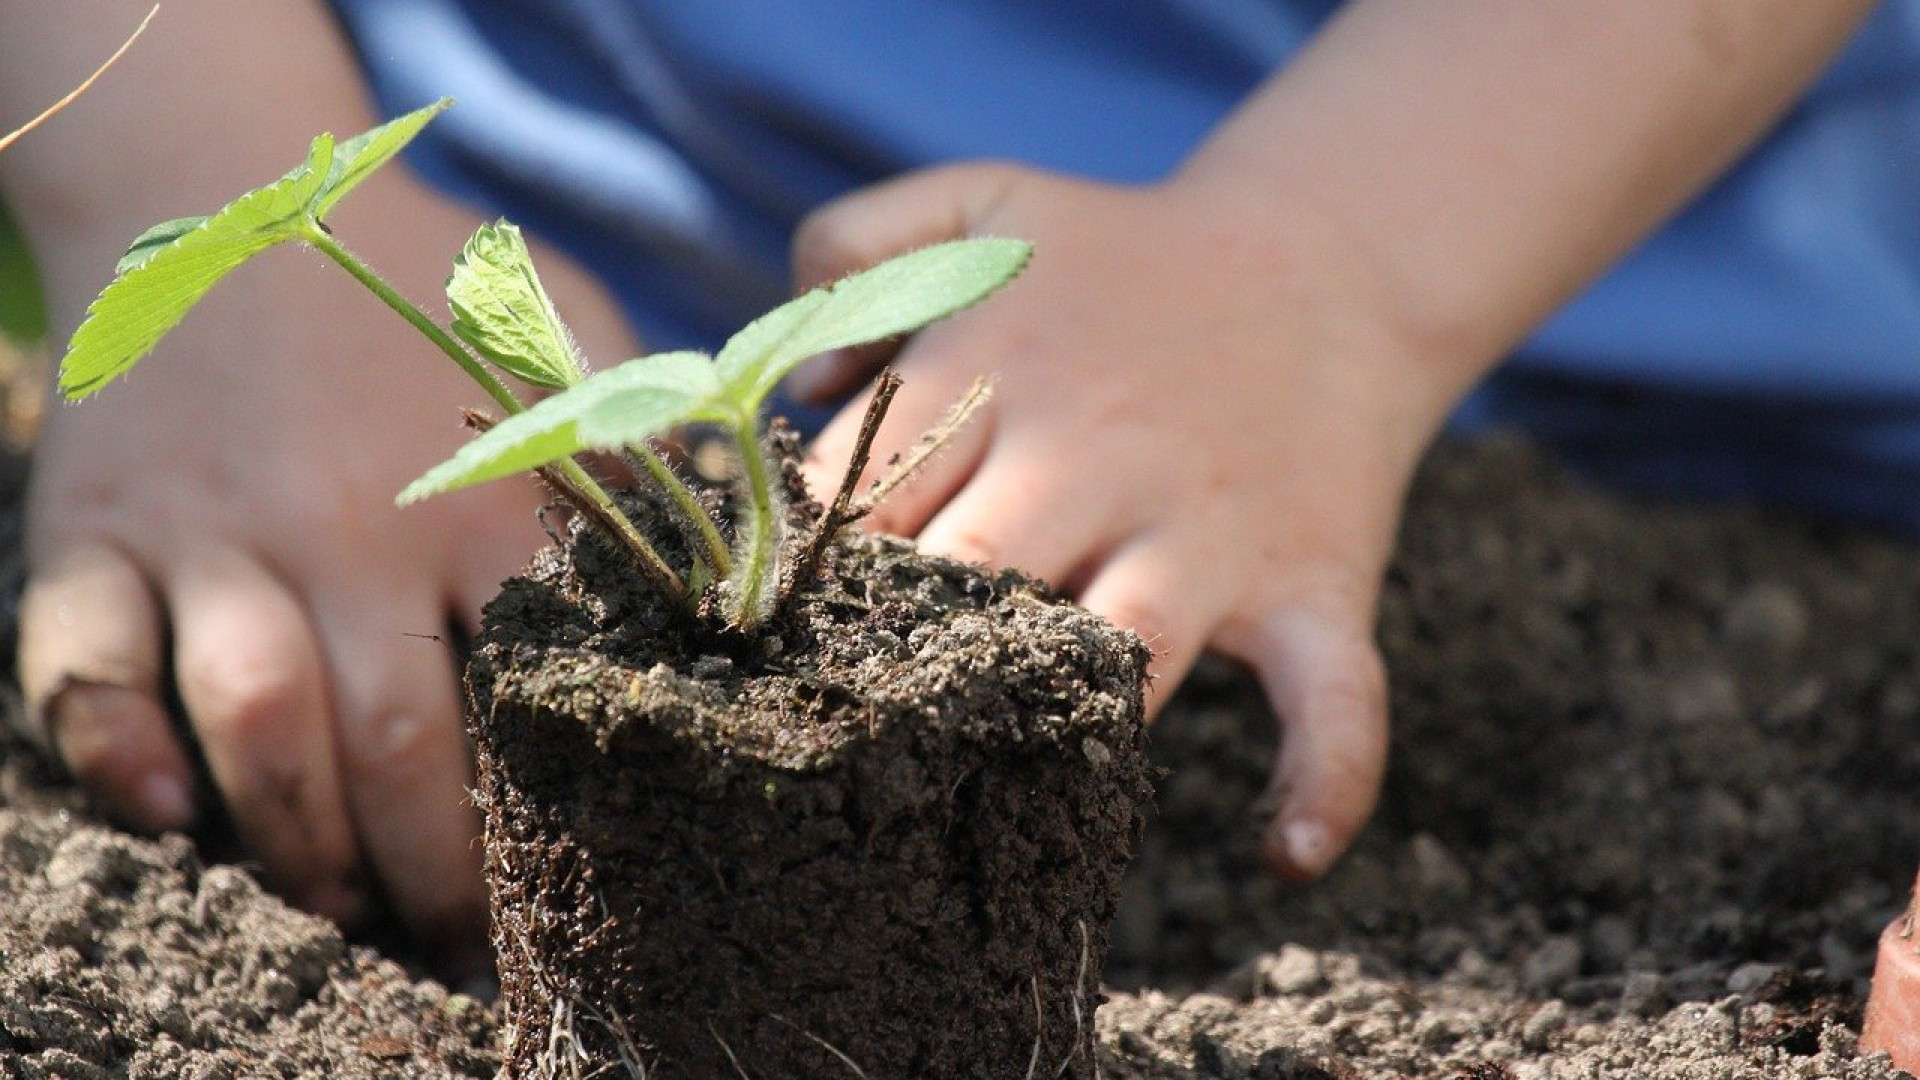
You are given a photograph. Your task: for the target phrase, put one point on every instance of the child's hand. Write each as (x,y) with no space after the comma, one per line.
(218,531)
(1202,429)
(225,532)
(1212,391)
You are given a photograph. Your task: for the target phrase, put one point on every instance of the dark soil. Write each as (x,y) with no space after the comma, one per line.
(1651,802)
(884,835)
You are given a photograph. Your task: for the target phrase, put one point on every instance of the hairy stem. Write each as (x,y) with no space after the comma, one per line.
(702,536)
(760,540)
(589,489)
(600,509)
(324,242)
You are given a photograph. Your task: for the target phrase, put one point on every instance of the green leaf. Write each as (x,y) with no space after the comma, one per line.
(134,312)
(359,156)
(898,296)
(501,309)
(627,404)
(148,243)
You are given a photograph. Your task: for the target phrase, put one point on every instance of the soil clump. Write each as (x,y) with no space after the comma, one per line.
(884,834)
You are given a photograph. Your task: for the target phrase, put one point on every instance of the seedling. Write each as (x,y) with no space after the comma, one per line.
(503,317)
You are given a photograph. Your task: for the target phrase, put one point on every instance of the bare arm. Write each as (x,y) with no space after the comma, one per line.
(1494,156)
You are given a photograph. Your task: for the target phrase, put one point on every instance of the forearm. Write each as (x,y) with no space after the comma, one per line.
(1491,157)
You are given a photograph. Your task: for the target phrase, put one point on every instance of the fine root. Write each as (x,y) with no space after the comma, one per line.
(824,1044)
(1039,1030)
(728,1050)
(565,1053)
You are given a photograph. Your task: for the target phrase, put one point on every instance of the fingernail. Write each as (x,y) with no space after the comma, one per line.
(164,802)
(1309,847)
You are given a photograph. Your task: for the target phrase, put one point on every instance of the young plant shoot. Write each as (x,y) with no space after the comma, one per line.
(503,317)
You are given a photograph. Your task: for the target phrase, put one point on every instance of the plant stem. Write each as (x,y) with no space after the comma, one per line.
(694,517)
(752,598)
(606,512)
(321,239)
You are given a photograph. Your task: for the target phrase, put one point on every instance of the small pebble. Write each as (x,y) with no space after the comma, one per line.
(1543,1025)
(1748,978)
(1766,622)
(1645,994)
(1556,961)
(1295,970)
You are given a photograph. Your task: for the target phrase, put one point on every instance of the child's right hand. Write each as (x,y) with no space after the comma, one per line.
(1200,429)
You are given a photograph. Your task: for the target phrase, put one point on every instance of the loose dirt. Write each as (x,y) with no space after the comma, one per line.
(1650,803)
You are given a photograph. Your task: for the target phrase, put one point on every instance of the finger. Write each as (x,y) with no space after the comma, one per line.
(1148,589)
(90,648)
(1020,511)
(917,408)
(404,762)
(876,222)
(1328,686)
(252,680)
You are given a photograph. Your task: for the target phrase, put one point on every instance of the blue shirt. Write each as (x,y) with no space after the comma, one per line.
(1765,344)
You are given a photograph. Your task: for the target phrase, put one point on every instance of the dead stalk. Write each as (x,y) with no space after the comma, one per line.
(923,451)
(13,136)
(840,513)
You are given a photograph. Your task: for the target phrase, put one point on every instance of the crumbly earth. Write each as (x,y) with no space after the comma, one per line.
(1651,800)
(884,832)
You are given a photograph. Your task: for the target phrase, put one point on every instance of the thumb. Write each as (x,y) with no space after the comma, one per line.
(875,223)
(1327,683)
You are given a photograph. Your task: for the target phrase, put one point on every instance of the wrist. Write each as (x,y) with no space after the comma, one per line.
(1416,345)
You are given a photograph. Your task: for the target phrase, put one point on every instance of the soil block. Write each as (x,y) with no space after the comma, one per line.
(881,839)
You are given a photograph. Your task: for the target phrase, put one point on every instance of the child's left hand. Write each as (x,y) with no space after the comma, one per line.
(1202,430)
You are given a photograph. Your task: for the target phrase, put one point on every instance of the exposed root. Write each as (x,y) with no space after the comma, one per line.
(624,1044)
(1039,1030)
(565,1052)
(1081,1015)
(728,1050)
(829,1047)
(1079,1005)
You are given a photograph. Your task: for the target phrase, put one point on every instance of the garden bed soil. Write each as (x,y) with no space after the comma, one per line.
(1649,808)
